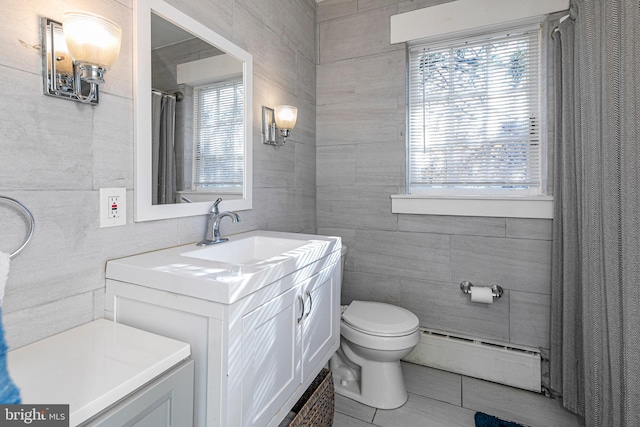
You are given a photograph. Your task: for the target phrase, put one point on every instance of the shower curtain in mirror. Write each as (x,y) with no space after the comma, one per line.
(163,152)
(595,324)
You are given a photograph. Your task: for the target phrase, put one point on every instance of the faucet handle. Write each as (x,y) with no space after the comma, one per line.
(214,207)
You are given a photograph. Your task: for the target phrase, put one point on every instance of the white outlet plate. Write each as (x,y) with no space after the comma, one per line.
(113,207)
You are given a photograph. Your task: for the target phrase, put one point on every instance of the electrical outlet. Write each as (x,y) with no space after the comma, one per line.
(113,207)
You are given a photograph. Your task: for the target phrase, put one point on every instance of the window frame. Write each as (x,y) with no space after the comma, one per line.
(490,203)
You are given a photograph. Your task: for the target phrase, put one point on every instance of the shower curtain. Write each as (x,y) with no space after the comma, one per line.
(163,154)
(595,332)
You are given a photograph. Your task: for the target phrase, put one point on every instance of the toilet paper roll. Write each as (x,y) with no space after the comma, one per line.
(481,294)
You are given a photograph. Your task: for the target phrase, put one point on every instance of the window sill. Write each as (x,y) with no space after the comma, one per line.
(513,207)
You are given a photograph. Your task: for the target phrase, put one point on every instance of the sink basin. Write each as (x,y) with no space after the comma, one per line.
(246,251)
(226,272)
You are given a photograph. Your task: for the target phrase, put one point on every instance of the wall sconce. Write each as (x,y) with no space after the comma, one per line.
(281,119)
(77,53)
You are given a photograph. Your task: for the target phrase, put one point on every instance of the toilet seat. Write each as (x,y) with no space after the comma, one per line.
(380,319)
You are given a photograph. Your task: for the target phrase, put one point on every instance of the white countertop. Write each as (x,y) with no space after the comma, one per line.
(169,270)
(92,366)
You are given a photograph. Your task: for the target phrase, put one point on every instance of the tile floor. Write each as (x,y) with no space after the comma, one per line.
(438,398)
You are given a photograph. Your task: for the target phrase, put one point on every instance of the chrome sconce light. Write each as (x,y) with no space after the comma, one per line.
(77,53)
(278,121)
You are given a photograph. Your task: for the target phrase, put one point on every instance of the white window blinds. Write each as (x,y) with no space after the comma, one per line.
(219,136)
(474,115)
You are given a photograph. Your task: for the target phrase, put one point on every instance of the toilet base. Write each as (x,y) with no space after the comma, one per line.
(383,386)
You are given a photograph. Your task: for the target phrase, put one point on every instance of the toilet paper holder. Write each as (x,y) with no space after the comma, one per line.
(496,290)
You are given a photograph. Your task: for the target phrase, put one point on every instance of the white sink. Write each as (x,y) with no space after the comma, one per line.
(247,251)
(226,272)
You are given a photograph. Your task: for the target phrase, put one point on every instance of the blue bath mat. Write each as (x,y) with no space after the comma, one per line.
(484,420)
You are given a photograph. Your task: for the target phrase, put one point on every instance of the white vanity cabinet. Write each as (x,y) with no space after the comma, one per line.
(285,342)
(254,355)
(109,374)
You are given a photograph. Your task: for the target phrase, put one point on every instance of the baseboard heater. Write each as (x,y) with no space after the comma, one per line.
(507,364)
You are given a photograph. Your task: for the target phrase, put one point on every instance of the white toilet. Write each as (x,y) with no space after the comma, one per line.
(373,338)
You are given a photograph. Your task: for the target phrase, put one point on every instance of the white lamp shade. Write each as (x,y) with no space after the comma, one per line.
(91,39)
(286,116)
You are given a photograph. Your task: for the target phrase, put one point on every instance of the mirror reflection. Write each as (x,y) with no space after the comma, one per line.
(198,118)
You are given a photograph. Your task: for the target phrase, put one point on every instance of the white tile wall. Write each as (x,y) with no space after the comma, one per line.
(56,154)
(413,260)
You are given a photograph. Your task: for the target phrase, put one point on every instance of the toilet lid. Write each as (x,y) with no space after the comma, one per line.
(378,318)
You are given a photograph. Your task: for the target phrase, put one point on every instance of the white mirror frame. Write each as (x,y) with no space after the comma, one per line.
(144,210)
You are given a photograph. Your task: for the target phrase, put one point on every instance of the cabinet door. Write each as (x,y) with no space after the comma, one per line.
(270,357)
(320,324)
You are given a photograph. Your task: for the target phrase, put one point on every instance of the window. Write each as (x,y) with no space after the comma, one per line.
(474,116)
(219,136)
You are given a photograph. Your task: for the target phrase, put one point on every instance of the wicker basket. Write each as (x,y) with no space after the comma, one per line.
(316,406)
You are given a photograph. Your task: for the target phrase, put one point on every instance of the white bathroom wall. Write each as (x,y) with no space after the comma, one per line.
(415,261)
(56,154)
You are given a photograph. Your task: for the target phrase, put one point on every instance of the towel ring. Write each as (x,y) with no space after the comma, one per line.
(32,225)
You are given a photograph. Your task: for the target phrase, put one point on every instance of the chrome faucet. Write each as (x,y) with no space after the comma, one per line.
(212,235)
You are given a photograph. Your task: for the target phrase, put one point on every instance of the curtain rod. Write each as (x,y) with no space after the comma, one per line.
(179,96)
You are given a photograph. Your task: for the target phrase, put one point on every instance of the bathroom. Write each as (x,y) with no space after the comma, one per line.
(334,176)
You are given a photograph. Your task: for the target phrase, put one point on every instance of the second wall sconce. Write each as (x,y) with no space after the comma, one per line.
(77,53)
(279,120)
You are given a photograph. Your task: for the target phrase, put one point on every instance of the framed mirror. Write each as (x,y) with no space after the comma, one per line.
(193,104)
